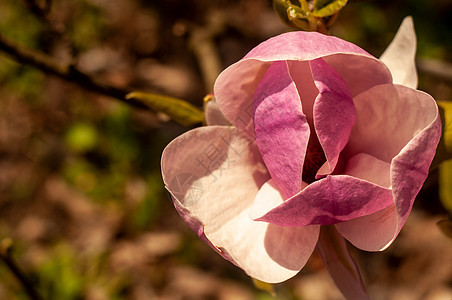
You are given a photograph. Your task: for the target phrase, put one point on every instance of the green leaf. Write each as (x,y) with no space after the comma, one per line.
(178,110)
(326,8)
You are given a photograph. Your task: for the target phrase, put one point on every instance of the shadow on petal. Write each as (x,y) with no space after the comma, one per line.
(291,247)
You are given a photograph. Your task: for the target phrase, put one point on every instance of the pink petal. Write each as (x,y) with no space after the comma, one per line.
(213,115)
(302,45)
(367,167)
(334,112)
(213,175)
(333,199)
(387,118)
(359,72)
(382,223)
(234,91)
(374,232)
(409,168)
(281,129)
(340,264)
(415,135)
(301,74)
(400,55)
(234,88)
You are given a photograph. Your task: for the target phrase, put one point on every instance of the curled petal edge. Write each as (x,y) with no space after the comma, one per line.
(235,86)
(408,172)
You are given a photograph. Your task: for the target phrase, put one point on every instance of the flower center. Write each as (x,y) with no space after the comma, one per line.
(314,159)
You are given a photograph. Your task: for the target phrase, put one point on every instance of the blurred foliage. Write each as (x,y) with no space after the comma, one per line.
(81,32)
(13,13)
(81,137)
(66,275)
(373,23)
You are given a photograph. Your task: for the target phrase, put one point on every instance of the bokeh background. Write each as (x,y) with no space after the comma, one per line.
(81,194)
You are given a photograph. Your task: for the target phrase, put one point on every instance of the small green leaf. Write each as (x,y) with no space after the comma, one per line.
(326,8)
(178,110)
(295,13)
(280,7)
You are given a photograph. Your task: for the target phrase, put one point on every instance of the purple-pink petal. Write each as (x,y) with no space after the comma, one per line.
(333,199)
(408,172)
(281,128)
(334,112)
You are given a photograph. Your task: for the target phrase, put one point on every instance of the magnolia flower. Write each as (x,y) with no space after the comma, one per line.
(311,140)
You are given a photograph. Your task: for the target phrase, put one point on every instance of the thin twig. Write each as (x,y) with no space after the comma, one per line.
(68,72)
(8,259)
(55,28)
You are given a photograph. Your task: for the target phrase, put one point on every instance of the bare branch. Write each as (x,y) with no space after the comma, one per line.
(70,73)
(8,259)
(178,110)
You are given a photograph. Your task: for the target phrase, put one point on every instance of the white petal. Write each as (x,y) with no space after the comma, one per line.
(400,55)
(213,174)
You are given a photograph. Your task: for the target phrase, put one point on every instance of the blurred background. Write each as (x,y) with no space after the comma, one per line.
(81,195)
